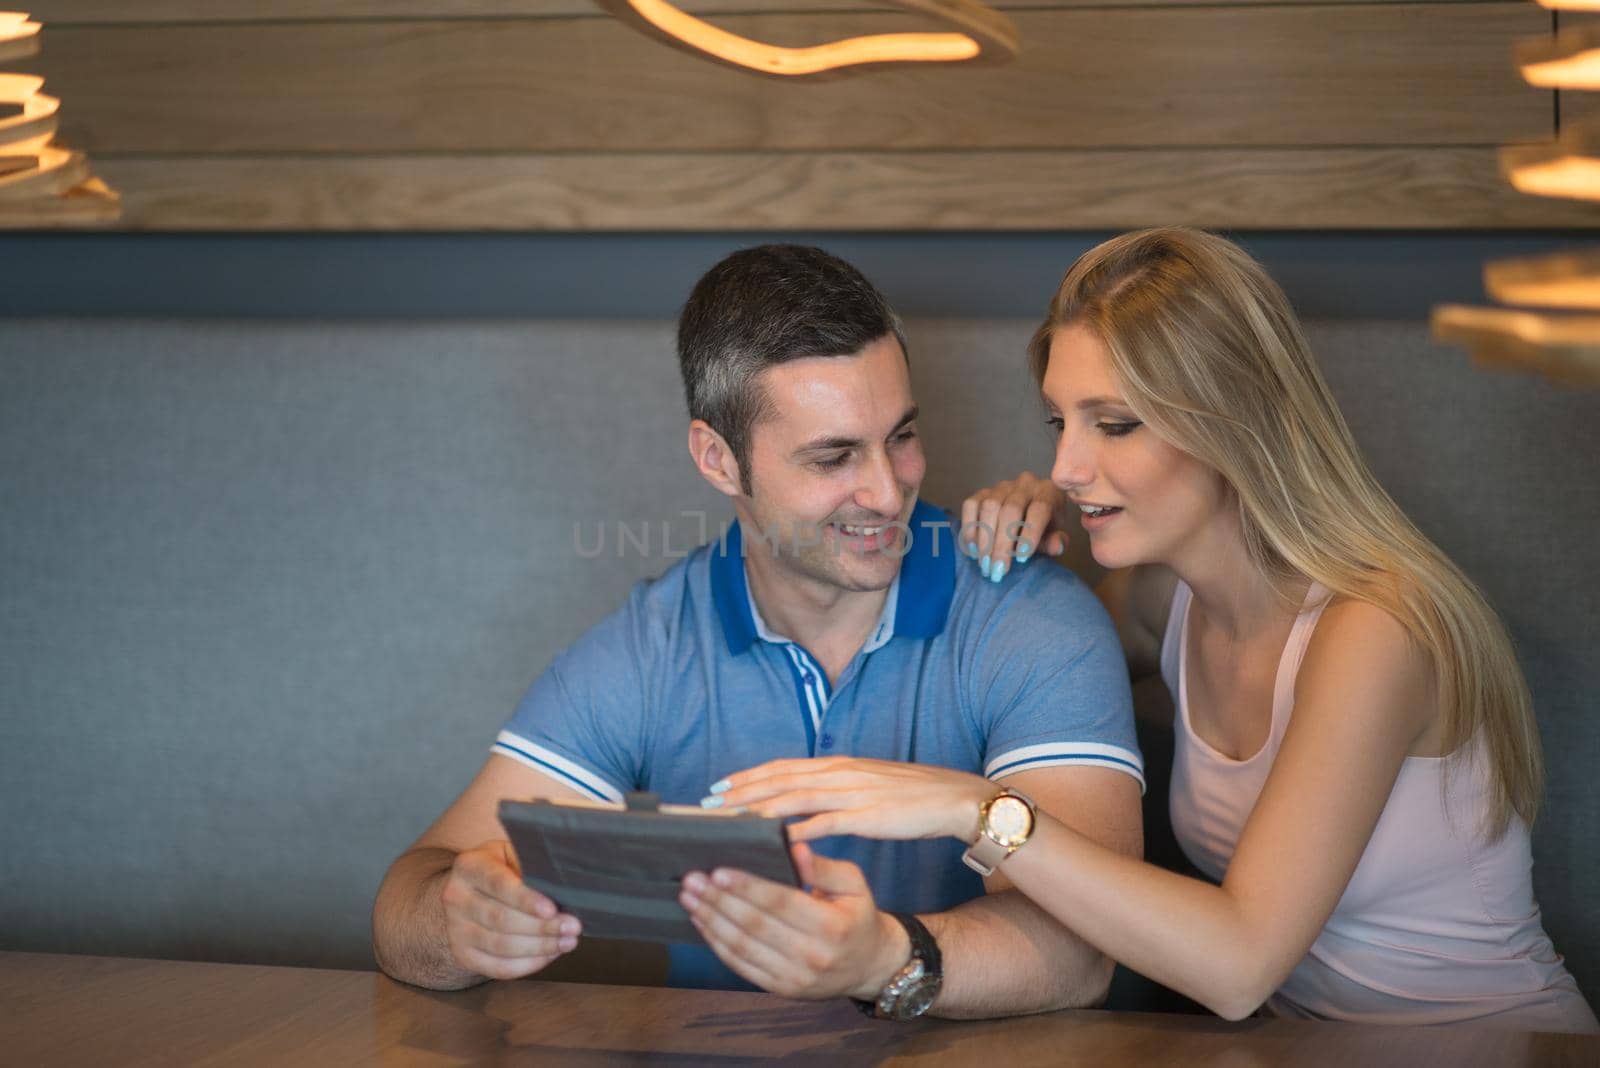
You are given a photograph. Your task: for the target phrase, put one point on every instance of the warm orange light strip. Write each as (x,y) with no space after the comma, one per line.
(1571,177)
(18,26)
(772,59)
(27,133)
(1570,5)
(1564,348)
(1568,167)
(1565,280)
(978,33)
(1568,60)
(18,40)
(54,171)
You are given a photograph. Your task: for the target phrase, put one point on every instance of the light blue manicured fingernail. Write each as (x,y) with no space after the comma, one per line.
(721,787)
(983,565)
(1024,550)
(999,571)
(711,802)
(972,549)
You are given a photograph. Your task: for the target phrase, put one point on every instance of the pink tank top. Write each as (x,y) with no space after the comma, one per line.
(1436,926)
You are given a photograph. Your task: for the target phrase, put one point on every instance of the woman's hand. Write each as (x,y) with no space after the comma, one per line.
(1007,522)
(869,798)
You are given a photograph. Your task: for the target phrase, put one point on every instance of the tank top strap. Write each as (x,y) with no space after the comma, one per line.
(1294,651)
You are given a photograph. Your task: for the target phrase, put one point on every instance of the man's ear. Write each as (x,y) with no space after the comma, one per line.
(714,459)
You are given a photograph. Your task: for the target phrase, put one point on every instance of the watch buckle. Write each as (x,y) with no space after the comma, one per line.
(976,865)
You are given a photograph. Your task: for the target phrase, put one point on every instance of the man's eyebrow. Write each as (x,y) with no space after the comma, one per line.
(826,444)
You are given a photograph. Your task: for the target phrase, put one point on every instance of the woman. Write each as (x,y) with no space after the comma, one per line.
(1357,762)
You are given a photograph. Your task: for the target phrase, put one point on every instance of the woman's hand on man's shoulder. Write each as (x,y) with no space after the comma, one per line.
(1005,525)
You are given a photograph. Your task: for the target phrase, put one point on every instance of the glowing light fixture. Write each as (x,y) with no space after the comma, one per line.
(1565,348)
(1569,59)
(1566,280)
(1561,347)
(1566,167)
(978,34)
(41,183)
(19,36)
(34,124)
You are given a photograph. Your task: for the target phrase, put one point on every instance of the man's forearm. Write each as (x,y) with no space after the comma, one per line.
(408,926)
(1004,956)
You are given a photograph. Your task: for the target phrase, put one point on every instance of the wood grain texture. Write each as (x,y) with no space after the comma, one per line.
(94,12)
(60,1010)
(1388,74)
(1244,189)
(966,31)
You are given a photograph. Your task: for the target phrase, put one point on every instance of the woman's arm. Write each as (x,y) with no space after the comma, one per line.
(1362,698)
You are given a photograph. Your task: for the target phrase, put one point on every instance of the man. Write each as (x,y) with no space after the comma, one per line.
(832,620)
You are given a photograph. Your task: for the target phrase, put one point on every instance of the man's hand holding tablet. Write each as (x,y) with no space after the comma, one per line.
(620,870)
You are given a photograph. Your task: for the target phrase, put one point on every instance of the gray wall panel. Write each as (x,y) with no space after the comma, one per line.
(267,589)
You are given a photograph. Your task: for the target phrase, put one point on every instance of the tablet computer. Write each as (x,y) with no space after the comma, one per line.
(620,869)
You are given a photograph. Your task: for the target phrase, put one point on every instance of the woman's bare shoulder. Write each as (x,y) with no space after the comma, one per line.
(1370,628)
(1361,653)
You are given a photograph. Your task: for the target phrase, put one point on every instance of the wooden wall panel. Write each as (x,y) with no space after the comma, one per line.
(91,12)
(1391,74)
(1578,105)
(1442,188)
(547,115)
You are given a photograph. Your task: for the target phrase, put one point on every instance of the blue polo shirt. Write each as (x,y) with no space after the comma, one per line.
(686,684)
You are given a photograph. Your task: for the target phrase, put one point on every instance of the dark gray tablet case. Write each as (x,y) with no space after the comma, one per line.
(619,870)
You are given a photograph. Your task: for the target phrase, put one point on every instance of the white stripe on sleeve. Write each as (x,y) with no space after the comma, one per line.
(556,766)
(1061,754)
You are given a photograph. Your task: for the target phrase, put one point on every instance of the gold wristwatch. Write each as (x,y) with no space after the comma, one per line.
(1004,823)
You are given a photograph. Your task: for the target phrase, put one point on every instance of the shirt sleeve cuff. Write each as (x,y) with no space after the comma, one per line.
(556,767)
(1063,754)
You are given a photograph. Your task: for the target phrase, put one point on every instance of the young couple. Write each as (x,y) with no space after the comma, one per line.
(1356,761)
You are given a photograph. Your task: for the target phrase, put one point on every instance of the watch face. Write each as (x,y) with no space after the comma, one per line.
(1010,821)
(917,1000)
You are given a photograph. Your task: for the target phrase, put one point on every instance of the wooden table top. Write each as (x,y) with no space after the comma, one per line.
(68,1010)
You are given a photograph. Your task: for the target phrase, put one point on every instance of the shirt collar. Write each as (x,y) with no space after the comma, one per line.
(916,607)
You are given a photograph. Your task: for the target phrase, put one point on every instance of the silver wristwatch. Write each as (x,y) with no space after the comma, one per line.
(911,990)
(1004,823)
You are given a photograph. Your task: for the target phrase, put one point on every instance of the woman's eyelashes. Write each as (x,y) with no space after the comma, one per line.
(1118,429)
(1110,428)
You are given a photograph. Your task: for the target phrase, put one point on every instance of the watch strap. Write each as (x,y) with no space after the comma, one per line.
(924,949)
(923,945)
(984,855)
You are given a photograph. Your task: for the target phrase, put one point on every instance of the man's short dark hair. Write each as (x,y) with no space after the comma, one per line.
(761,307)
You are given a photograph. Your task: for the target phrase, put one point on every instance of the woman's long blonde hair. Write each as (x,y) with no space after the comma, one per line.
(1209,353)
